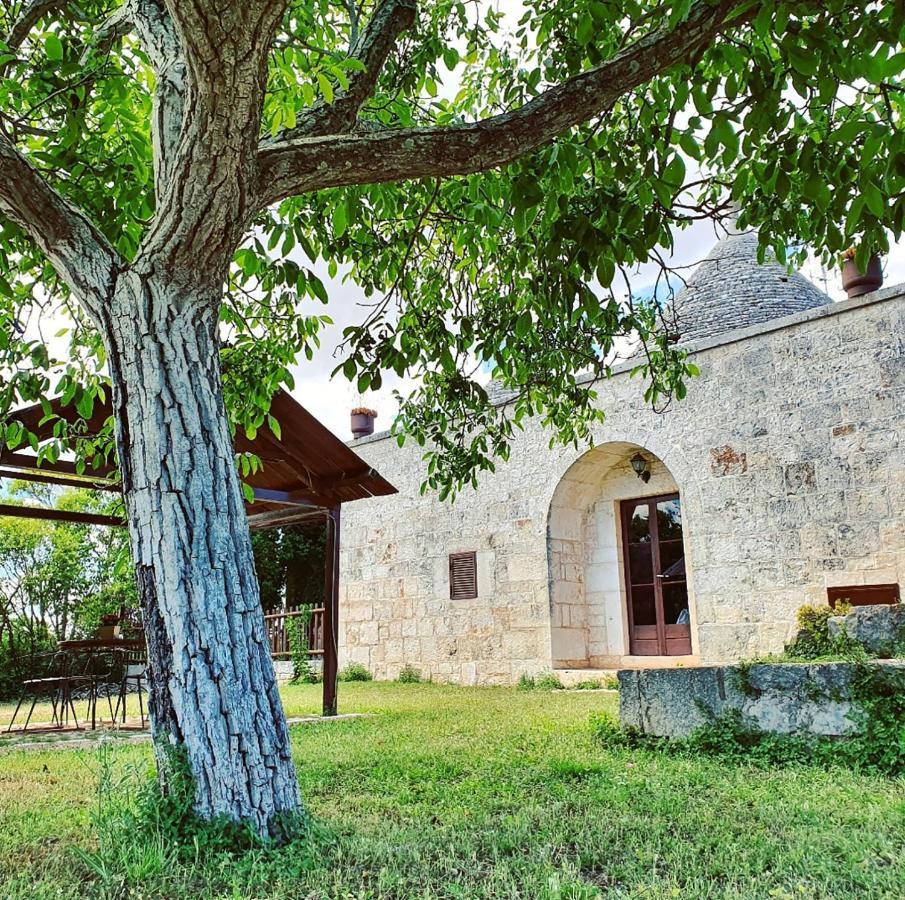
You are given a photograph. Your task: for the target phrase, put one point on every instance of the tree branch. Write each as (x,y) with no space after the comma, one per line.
(371,48)
(157,35)
(303,164)
(204,190)
(78,251)
(29,15)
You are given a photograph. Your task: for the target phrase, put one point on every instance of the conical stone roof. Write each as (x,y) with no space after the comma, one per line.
(730,290)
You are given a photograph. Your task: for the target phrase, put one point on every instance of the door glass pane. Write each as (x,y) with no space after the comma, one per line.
(675,604)
(672,560)
(644,612)
(639,524)
(669,519)
(641,567)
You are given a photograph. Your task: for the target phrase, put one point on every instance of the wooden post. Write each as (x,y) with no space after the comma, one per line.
(331,612)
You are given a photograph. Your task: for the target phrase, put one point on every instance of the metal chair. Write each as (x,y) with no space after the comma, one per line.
(54,683)
(95,670)
(132,669)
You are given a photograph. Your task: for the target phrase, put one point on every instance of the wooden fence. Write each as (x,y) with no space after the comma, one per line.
(278,633)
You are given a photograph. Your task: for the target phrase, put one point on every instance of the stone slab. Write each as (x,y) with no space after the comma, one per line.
(879,629)
(782,698)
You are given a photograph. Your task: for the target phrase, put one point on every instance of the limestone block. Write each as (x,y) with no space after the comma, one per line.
(368,633)
(879,629)
(569,643)
(868,505)
(782,699)
(520,645)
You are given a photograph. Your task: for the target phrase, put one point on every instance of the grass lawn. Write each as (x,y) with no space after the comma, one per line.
(467,793)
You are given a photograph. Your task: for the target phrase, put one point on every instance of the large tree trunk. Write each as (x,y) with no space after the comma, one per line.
(213,691)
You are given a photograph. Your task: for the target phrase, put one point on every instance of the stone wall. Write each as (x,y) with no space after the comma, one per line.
(787,453)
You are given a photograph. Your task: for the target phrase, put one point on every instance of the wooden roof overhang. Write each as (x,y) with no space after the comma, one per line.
(305,472)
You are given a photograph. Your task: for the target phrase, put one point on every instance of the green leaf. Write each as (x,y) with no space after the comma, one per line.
(325,86)
(53,47)
(340,221)
(586,29)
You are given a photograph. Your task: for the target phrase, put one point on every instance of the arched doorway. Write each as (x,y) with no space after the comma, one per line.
(616,547)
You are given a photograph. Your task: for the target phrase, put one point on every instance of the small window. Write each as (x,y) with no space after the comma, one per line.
(863,594)
(463,576)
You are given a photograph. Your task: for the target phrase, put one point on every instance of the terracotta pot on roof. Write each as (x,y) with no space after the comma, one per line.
(855,282)
(363,421)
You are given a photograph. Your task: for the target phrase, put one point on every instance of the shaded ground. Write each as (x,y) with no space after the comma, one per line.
(461,793)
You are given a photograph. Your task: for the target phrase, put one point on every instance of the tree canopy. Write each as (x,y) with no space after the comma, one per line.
(487,179)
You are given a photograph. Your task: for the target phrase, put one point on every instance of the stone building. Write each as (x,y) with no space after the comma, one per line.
(780,477)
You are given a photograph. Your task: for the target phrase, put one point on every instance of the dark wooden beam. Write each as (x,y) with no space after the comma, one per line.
(23,461)
(327,486)
(63,480)
(331,613)
(278,517)
(60,515)
(286,498)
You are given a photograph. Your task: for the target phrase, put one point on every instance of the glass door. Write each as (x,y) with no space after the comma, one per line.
(656,586)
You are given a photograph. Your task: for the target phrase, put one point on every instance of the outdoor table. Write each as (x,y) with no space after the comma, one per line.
(103,644)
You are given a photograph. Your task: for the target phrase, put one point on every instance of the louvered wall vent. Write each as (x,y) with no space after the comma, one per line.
(463,576)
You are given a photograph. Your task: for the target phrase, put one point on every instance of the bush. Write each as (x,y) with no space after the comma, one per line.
(409,675)
(355,672)
(548,681)
(297,632)
(18,647)
(813,640)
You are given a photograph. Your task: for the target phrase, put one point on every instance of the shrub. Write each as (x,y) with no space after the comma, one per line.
(548,681)
(409,675)
(592,684)
(297,632)
(813,640)
(526,682)
(355,672)
(21,648)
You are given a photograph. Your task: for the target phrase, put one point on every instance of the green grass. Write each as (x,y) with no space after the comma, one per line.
(474,793)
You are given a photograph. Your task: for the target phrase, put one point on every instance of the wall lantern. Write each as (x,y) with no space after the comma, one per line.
(641,466)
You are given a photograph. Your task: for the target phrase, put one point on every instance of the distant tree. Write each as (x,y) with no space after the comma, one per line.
(290,565)
(59,579)
(170,170)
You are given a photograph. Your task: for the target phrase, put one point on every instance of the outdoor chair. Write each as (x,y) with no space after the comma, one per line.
(132,671)
(95,671)
(52,680)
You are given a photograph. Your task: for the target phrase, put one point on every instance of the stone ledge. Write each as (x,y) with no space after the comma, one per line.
(781,698)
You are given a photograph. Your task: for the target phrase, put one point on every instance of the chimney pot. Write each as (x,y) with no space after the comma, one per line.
(855,282)
(363,421)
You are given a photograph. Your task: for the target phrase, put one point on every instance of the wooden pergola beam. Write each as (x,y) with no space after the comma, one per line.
(276,517)
(64,480)
(10,459)
(60,515)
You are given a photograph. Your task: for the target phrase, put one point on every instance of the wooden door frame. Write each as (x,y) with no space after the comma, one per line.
(625,506)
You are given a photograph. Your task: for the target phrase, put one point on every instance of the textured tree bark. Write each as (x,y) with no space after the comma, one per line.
(213,691)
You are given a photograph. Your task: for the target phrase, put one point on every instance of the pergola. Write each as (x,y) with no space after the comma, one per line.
(307,474)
